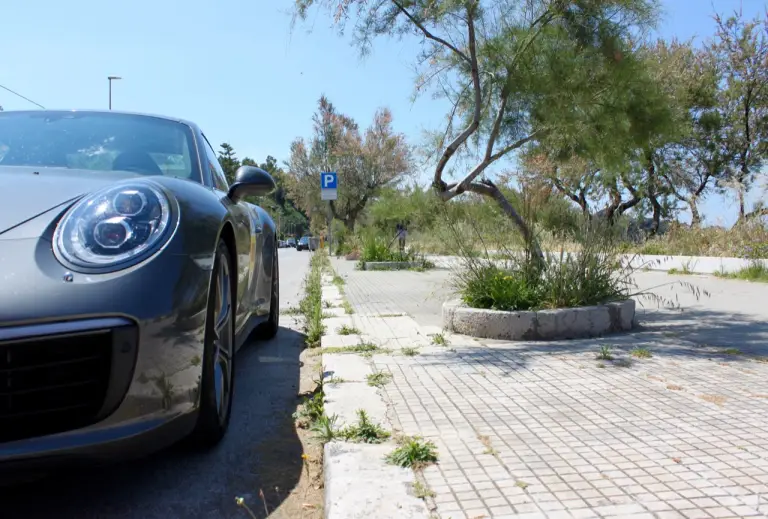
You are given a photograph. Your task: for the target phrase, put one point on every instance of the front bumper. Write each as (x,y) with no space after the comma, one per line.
(115,360)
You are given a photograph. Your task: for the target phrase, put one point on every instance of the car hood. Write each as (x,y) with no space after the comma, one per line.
(29,192)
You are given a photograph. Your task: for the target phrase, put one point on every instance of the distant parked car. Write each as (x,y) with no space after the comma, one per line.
(307,243)
(291,242)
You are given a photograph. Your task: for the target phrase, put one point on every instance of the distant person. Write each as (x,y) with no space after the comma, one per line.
(402,232)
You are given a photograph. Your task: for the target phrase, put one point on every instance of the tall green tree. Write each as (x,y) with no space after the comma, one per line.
(741,49)
(693,165)
(364,162)
(288,218)
(291,219)
(502,65)
(228,161)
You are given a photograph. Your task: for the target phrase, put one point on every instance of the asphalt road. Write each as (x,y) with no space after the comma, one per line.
(260,451)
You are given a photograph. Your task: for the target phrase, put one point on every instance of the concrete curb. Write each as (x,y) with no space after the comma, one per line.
(542,325)
(703,265)
(390,265)
(359,483)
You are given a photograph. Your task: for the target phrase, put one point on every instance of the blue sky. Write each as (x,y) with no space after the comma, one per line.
(235,68)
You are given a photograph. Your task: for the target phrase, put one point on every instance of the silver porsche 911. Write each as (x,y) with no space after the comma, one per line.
(130,275)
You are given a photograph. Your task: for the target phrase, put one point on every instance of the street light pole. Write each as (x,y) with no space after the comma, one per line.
(110,78)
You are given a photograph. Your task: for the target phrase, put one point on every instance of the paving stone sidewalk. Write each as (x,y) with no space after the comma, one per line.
(547,430)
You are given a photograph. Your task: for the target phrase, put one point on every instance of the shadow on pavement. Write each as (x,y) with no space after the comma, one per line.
(690,333)
(260,452)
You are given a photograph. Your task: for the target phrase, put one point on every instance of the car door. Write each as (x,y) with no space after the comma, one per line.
(248,234)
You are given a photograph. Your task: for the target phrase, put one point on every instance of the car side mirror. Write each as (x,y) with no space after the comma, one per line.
(251,181)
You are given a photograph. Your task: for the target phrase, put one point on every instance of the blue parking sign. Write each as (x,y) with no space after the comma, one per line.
(328,180)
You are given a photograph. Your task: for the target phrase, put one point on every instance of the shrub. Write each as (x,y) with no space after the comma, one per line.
(681,240)
(594,274)
(487,286)
(376,247)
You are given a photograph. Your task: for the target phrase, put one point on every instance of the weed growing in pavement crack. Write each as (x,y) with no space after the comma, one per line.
(363,347)
(413,452)
(312,304)
(421,490)
(364,431)
(409,351)
(605,353)
(439,339)
(641,353)
(348,308)
(486,441)
(311,410)
(325,428)
(347,330)
(379,379)
(731,351)
(335,380)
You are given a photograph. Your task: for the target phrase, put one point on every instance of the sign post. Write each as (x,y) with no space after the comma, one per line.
(329,183)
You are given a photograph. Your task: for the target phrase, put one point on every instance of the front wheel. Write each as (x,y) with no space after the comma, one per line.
(217,384)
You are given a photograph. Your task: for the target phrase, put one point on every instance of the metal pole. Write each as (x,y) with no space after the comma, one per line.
(110,78)
(330,222)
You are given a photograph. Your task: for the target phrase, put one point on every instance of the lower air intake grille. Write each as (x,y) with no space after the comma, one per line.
(52,384)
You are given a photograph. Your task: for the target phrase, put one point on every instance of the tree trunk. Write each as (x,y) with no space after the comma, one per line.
(489,189)
(653,195)
(695,215)
(349,224)
(742,204)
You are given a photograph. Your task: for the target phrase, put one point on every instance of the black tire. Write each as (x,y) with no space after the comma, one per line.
(268,329)
(213,414)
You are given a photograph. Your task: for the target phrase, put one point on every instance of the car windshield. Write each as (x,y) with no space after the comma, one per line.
(98,141)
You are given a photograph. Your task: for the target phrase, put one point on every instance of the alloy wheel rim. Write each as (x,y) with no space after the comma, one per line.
(222,341)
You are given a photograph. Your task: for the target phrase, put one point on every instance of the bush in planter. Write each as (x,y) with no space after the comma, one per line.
(375,247)
(594,274)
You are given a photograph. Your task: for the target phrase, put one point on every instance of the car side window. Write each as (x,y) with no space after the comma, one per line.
(217,174)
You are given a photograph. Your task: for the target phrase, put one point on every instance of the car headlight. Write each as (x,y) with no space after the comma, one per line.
(114,226)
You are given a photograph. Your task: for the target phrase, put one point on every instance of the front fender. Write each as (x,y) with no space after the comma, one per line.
(262,258)
(203,216)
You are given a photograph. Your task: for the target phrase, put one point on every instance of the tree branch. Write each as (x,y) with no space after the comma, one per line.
(469,130)
(489,189)
(560,187)
(756,213)
(427,34)
(483,165)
